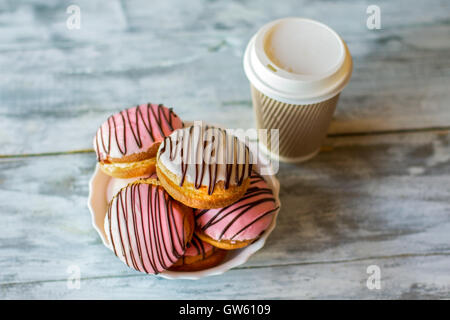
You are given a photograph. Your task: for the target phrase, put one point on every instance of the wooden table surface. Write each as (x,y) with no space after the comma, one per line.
(378,193)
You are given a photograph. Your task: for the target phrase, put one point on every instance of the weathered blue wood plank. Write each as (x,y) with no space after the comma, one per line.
(379,199)
(58,85)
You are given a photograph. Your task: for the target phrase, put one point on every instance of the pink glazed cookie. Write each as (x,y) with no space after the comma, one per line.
(127,142)
(146,228)
(239,224)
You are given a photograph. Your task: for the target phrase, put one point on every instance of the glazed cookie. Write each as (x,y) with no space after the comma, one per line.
(127,143)
(241,223)
(199,255)
(146,228)
(204,167)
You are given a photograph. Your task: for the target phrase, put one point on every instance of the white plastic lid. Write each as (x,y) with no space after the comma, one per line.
(298,61)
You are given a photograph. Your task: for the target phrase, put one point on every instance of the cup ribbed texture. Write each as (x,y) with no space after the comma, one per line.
(302,128)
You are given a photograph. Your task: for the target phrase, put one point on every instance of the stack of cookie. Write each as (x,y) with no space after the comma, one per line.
(194,196)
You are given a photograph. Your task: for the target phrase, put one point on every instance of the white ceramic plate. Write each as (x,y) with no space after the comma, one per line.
(103,187)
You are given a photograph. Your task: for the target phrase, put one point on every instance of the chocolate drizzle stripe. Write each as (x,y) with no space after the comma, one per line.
(108,150)
(251,192)
(169,121)
(199,177)
(158,232)
(154,250)
(247,208)
(136,227)
(150,240)
(184,143)
(198,245)
(254,221)
(236,173)
(212,178)
(169,226)
(202,249)
(136,136)
(183,155)
(136,224)
(158,119)
(124,151)
(147,128)
(162,116)
(169,214)
(221,215)
(254,197)
(229,167)
(109,136)
(127,228)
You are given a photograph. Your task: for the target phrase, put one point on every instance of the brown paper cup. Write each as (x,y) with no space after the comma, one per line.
(302,128)
(297,69)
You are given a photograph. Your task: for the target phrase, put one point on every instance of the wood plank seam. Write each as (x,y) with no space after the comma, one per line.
(445,129)
(306,263)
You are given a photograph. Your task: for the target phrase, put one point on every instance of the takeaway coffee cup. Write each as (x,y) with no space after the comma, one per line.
(297,68)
